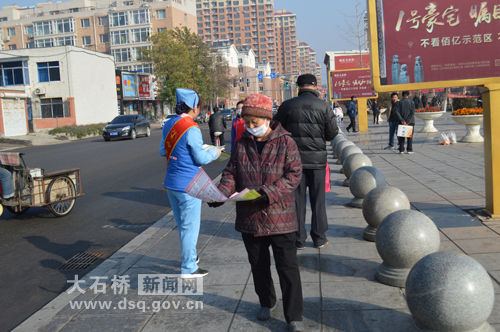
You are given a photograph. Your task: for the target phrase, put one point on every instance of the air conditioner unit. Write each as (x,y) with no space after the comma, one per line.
(39,91)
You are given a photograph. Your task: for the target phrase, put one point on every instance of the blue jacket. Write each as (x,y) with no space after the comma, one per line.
(187,157)
(352,110)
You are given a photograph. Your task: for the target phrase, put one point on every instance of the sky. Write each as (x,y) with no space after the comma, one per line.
(325,25)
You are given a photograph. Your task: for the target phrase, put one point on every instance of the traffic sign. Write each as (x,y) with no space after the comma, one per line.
(260,76)
(273,75)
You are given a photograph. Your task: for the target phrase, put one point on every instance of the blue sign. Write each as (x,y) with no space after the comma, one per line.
(129,85)
(260,76)
(273,75)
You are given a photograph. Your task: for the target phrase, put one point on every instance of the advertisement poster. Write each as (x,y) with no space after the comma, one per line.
(144,86)
(345,84)
(343,62)
(441,40)
(129,85)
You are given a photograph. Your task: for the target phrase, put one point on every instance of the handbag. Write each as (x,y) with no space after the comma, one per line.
(405,131)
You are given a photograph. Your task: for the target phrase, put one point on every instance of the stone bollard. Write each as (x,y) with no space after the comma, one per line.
(378,204)
(339,147)
(339,138)
(352,163)
(448,291)
(347,151)
(362,181)
(403,238)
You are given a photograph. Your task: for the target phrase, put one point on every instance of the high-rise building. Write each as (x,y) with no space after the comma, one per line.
(117,27)
(286,42)
(245,23)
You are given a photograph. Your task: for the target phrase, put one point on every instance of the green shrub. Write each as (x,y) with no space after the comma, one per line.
(79,131)
(459,103)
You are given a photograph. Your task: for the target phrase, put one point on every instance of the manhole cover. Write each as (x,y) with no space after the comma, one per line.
(82,260)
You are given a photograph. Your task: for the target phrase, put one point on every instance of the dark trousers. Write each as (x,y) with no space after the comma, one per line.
(285,256)
(351,125)
(393,126)
(221,138)
(375,117)
(315,180)
(409,142)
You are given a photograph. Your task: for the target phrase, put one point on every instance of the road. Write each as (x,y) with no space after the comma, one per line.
(122,181)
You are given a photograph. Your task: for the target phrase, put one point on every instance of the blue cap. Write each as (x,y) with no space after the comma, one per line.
(187,96)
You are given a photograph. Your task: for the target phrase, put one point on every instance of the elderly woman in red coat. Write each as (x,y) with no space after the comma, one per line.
(267,159)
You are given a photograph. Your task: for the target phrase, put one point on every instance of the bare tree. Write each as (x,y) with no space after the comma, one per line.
(354,30)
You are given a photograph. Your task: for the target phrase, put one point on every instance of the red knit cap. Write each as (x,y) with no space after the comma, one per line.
(258,105)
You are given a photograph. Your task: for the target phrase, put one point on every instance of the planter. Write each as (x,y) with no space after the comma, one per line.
(428,118)
(472,125)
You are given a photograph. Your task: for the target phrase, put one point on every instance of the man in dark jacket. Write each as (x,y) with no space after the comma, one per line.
(352,111)
(393,119)
(216,124)
(311,122)
(406,116)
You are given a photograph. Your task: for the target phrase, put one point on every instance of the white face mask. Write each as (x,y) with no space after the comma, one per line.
(259,131)
(238,112)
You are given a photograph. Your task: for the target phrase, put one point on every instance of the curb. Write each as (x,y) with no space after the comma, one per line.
(16,141)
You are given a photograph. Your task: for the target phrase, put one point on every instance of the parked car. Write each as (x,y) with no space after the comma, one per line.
(127,126)
(228,114)
(201,118)
(165,119)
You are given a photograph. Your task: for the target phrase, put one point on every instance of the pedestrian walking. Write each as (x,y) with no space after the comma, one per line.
(216,126)
(393,119)
(352,111)
(182,145)
(416,100)
(267,159)
(311,122)
(406,116)
(339,113)
(238,126)
(376,111)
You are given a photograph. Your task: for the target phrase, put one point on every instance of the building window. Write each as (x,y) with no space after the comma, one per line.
(141,16)
(65,25)
(74,10)
(53,108)
(242,88)
(49,42)
(103,21)
(121,54)
(119,37)
(48,71)
(28,29)
(12,47)
(43,28)
(3,19)
(64,41)
(30,45)
(118,19)
(161,14)
(141,35)
(11,32)
(86,40)
(85,23)
(104,38)
(161,29)
(137,52)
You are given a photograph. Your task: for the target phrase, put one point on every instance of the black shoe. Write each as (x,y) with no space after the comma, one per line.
(321,246)
(200,273)
(300,246)
(265,312)
(295,326)
(347,129)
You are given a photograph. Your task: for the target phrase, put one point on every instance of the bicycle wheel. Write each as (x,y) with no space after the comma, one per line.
(61,191)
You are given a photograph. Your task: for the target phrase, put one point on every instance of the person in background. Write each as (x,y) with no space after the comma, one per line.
(267,159)
(182,145)
(416,100)
(339,113)
(406,116)
(238,126)
(393,119)
(352,111)
(216,124)
(376,111)
(312,123)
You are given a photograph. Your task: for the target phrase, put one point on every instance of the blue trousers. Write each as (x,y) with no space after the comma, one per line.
(393,126)
(6,180)
(187,213)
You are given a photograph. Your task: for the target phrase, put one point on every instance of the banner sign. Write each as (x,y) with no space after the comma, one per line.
(144,86)
(354,82)
(440,40)
(129,86)
(351,61)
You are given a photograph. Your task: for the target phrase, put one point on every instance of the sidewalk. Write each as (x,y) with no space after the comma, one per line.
(339,286)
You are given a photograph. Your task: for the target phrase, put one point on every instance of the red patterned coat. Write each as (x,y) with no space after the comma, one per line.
(277,172)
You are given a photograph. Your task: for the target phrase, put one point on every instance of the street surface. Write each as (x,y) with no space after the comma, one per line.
(122,182)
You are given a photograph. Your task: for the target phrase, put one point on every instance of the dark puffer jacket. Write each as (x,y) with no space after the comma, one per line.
(216,122)
(276,171)
(311,122)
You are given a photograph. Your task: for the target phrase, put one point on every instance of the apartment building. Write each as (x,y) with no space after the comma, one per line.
(117,27)
(286,42)
(245,23)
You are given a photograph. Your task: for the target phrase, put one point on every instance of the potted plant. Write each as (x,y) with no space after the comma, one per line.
(472,118)
(428,114)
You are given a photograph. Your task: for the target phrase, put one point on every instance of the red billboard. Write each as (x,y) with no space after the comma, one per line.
(442,40)
(354,61)
(144,86)
(347,83)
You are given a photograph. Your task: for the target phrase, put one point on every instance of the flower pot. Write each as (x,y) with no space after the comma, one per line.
(472,125)
(428,118)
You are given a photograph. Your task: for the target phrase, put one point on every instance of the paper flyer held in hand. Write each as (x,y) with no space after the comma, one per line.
(223,156)
(204,188)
